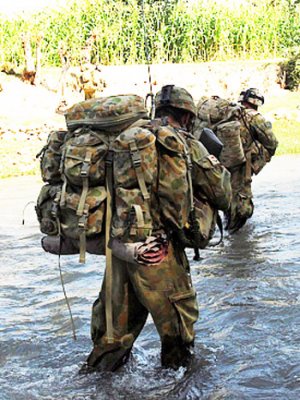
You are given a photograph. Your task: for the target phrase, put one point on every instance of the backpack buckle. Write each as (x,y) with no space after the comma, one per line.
(82,222)
(109,158)
(54,209)
(135,156)
(86,165)
(85,170)
(136,159)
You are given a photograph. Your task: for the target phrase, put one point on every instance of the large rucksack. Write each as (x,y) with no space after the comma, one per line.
(115,174)
(72,204)
(223,118)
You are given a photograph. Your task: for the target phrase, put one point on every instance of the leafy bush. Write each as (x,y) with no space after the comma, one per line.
(290,72)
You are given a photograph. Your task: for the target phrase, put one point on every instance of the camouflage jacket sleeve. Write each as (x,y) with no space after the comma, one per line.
(211,180)
(263,133)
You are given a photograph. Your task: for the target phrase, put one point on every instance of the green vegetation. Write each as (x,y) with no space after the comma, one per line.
(177,30)
(286,124)
(288,135)
(290,71)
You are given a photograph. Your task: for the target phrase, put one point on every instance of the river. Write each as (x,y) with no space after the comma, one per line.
(247,335)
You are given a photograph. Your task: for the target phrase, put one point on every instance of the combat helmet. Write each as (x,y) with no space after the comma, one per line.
(252,96)
(177,97)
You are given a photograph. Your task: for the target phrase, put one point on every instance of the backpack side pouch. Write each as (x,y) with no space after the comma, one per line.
(206,218)
(259,158)
(84,157)
(232,153)
(173,186)
(47,209)
(51,157)
(92,220)
(135,173)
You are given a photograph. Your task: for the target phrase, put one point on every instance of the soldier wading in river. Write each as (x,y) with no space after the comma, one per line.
(153,276)
(259,145)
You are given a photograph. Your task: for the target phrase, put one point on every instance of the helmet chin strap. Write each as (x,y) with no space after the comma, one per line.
(186,121)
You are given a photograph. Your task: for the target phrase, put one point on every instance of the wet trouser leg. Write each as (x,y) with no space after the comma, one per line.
(129,317)
(166,292)
(241,207)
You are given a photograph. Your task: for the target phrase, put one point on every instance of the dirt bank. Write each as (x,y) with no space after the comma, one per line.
(24,105)
(28,112)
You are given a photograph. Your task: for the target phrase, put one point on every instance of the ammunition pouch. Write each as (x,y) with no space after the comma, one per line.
(259,158)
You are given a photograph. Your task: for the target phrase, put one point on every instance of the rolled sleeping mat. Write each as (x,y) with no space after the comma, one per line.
(67,246)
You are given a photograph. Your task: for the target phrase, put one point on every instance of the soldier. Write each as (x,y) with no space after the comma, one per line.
(165,289)
(259,145)
(91,81)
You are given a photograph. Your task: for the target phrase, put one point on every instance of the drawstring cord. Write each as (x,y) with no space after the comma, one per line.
(60,272)
(24,209)
(63,285)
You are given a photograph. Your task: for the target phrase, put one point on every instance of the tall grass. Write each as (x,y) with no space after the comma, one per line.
(177,31)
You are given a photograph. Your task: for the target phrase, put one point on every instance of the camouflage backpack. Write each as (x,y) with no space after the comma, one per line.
(71,205)
(222,117)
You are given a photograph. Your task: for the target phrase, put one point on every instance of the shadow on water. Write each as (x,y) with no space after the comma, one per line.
(247,335)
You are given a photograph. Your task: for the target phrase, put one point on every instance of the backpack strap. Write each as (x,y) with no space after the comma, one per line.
(82,209)
(82,225)
(194,224)
(141,226)
(54,211)
(84,173)
(108,252)
(64,180)
(220,226)
(248,172)
(248,126)
(137,162)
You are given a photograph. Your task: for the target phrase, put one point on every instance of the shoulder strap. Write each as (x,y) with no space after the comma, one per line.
(248,127)
(108,252)
(137,162)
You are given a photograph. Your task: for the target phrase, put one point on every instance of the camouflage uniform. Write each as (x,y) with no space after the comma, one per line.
(259,145)
(164,290)
(91,81)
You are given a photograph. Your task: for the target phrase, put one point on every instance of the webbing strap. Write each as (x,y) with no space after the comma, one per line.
(62,202)
(248,167)
(82,225)
(84,173)
(137,162)
(82,247)
(108,253)
(139,219)
(189,165)
(220,226)
(195,225)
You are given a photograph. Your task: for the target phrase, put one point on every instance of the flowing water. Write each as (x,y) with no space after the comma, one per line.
(248,332)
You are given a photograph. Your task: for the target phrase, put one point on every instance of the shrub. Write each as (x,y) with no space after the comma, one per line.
(290,72)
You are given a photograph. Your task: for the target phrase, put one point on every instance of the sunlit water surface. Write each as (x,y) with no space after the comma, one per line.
(248,339)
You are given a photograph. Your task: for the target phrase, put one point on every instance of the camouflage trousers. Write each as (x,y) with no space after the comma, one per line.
(165,291)
(241,208)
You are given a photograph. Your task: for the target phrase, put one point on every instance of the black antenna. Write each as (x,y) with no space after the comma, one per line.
(148,59)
